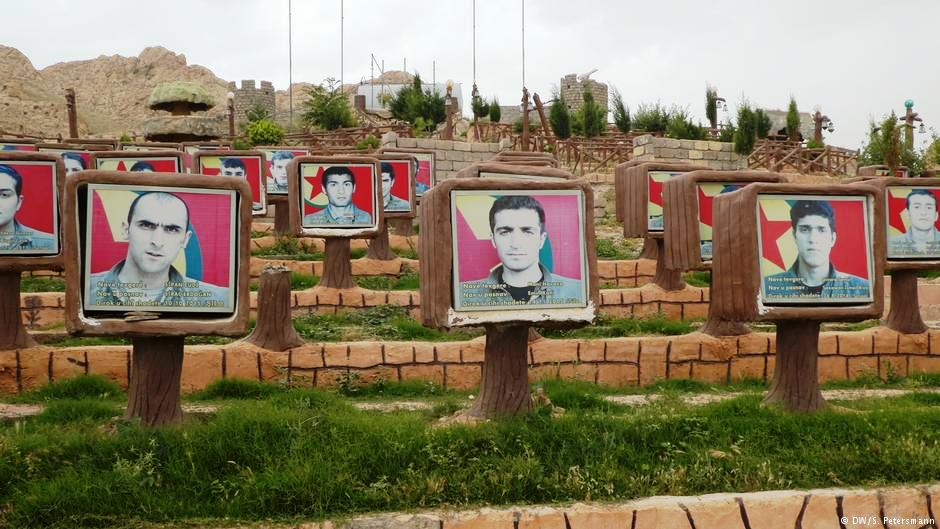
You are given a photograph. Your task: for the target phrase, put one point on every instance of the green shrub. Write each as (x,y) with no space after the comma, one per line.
(370,142)
(480,107)
(793,121)
(560,119)
(813,144)
(746,133)
(75,388)
(726,134)
(327,107)
(680,126)
(241,144)
(42,284)
(651,118)
(711,106)
(621,113)
(257,113)
(762,123)
(592,116)
(413,103)
(265,132)
(495,112)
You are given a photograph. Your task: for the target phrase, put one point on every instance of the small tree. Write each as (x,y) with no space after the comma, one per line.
(793,121)
(328,107)
(746,132)
(651,118)
(413,102)
(711,105)
(681,127)
(265,132)
(762,123)
(560,119)
(257,112)
(593,117)
(495,112)
(479,107)
(621,113)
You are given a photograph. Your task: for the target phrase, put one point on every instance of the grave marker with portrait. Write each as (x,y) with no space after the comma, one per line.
(244,164)
(798,255)
(138,162)
(507,254)
(398,199)
(156,257)
(30,190)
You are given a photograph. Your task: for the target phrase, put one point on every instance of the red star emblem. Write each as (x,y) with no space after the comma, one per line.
(655,191)
(896,206)
(314,181)
(771,230)
(705,204)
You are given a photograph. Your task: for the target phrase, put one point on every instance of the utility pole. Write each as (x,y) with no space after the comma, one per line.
(290,68)
(72,112)
(342,91)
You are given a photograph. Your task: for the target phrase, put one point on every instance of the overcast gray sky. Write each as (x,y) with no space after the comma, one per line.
(855,59)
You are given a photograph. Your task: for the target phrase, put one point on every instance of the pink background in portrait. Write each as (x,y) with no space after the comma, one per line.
(478,256)
(362,196)
(252,171)
(209,218)
(424,171)
(37,209)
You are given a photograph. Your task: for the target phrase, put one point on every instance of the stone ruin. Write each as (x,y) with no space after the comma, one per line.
(181,99)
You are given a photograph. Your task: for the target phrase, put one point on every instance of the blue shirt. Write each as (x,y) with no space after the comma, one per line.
(325,216)
(107,289)
(25,238)
(493,293)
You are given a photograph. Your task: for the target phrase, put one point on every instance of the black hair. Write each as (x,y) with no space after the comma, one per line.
(141,166)
(15,175)
(282,155)
(75,157)
(336,170)
(130,210)
(516,202)
(233,163)
(805,208)
(920,191)
(387,168)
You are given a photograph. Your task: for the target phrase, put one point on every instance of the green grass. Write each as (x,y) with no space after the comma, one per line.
(387,322)
(608,249)
(698,278)
(298,281)
(42,284)
(75,388)
(928,274)
(290,248)
(406,253)
(299,454)
(406,280)
(608,327)
(255,234)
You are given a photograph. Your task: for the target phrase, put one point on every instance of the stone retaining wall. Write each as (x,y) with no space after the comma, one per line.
(715,154)
(893,508)
(632,361)
(450,156)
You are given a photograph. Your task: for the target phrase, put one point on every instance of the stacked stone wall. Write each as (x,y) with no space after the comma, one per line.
(716,154)
(572,91)
(249,96)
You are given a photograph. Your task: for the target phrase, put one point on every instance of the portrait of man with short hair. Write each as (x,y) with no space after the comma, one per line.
(157,229)
(73,162)
(16,236)
(390,202)
(519,264)
(330,199)
(921,237)
(245,167)
(278,160)
(812,274)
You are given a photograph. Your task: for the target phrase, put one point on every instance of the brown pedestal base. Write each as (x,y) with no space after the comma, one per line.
(666,278)
(504,386)
(154,387)
(379,248)
(13,334)
(796,375)
(275,329)
(904,316)
(337,267)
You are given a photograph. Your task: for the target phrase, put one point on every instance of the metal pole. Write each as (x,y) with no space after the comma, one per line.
(523,43)
(372,79)
(434,76)
(909,133)
(341,46)
(290,67)
(474,42)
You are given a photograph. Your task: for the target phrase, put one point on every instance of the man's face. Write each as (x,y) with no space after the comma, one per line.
(279,171)
(386,185)
(10,202)
(814,240)
(233,171)
(157,232)
(518,238)
(923,212)
(72,166)
(339,190)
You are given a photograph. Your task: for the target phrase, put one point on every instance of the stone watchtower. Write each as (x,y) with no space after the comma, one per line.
(572,87)
(250,96)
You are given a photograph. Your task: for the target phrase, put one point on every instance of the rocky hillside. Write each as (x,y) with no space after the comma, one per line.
(111,91)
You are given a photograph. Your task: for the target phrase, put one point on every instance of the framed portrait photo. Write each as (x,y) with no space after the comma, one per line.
(276,160)
(705,194)
(912,222)
(75,160)
(138,163)
(654,208)
(13,145)
(398,192)
(240,164)
(815,249)
(29,207)
(424,167)
(338,195)
(517,250)
(158,249)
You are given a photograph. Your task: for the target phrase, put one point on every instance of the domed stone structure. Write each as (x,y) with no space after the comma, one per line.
(181,99)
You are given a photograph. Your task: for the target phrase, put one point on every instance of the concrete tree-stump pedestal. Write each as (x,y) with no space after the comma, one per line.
(795,386)
(154,387)
(650,249)
(275,329)
(379,247)
(666,278)
(904,315)
(718,327)
(401,226)
(281,215)
(337,266)
(504,385)
(13,333)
